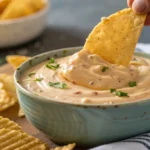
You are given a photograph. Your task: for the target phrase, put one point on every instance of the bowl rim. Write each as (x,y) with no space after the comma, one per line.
(43,99)
(29,17)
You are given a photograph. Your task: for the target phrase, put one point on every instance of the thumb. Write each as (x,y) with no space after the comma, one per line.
(141,6)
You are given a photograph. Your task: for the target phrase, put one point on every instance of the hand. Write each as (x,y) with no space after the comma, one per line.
(141,6)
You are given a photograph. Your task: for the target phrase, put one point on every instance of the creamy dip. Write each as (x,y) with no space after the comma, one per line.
(87,78)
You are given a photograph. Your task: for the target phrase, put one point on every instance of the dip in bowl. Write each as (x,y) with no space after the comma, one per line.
(73,113)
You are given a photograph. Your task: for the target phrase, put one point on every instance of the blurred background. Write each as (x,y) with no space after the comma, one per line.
(69,23)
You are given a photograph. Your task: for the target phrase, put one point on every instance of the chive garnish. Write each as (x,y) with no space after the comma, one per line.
(104,68)
(52,60)
(112,90)
(39,79)
(52,64)
(132,84)
(31,74)
(119,93)
(58,85)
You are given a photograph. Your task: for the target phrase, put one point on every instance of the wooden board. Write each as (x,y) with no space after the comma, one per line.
(12,113)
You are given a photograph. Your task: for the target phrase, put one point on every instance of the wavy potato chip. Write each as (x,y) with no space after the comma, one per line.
(20,8)
(67,147)
(8,90)
(8,124)
(8,81)
(115,37)
(16,140)
(6,99)
(4,4)
(16,60)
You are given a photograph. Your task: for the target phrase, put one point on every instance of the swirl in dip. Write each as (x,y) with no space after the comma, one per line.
(87,78)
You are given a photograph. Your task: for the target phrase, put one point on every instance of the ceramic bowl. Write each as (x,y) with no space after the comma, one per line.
(86,125)
(18,31)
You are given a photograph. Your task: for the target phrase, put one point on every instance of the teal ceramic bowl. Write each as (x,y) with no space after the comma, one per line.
(82,124)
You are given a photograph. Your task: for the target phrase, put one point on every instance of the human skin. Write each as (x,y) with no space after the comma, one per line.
(141,6)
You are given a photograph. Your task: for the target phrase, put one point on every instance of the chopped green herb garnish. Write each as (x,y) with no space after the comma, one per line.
(112,90)
(31,74)
(52,66)
(64,52)
(58,85)
(121,94)
(134,59)
(132,84)
(52,60)
(104,68)
(39,79)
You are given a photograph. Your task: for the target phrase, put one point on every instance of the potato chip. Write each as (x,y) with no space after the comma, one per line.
(67,147)
(8,81)
(20,8)
(4,4)
(6,99)
(115,37)
(36,4)
(13,139)
(21,113)
(16,9)
(9,91)
(8,124)
(16,60)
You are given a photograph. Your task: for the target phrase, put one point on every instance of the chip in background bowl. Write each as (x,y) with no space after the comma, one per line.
(21,30)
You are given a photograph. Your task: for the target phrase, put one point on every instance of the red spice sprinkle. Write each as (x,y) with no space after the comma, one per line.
(83,65)
(78,92)
(73,82)
(91,83)
(96,93)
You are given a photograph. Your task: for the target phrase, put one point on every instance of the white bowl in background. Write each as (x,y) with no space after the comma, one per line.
(20,30)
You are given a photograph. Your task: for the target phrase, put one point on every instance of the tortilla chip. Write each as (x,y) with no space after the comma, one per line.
(36,4)
(13,139)
(20,8)
(4,4)
(67,147)
(16,9)
(115,37)
(8,124)
(16,60)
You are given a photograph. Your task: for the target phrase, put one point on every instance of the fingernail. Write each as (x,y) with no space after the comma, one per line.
(139,6)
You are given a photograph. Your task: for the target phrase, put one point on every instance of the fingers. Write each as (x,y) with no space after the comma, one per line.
(147,22)
(141,6)
(130,2)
